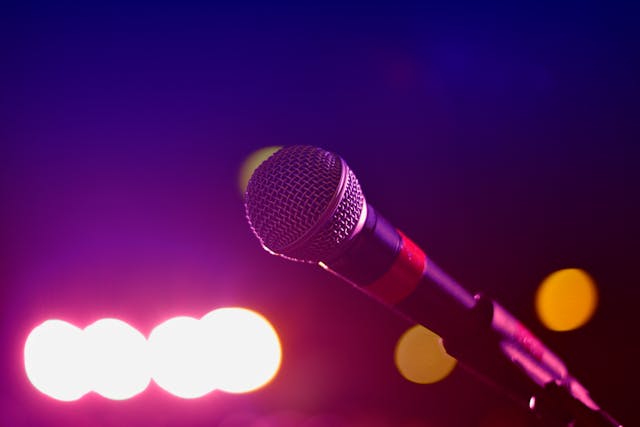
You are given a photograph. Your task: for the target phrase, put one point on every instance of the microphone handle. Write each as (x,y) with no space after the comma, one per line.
(483,336)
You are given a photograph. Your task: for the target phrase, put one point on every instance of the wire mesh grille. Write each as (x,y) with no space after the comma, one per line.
(292,203)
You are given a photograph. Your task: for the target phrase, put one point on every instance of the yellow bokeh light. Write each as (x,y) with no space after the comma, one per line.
(566,299)
(251,163)
(421,358)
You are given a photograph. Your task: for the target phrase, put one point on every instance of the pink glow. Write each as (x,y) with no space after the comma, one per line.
(235,350)
(180,358)
(248,352)
(117,357)
(55,362)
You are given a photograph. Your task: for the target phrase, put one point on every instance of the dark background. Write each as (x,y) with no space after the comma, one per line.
(501,138)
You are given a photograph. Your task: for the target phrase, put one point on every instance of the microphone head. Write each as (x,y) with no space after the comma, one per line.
(304,203)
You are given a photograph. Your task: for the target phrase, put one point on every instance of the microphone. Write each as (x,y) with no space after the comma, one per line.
(305,204)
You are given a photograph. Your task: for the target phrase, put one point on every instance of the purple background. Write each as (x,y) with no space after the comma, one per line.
(502,139)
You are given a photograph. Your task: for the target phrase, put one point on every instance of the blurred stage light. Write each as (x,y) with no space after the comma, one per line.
(252,162)
(248,351)
(566,299)
(117,357)
(55,360)
(181,357)
(232,349)
(421,358)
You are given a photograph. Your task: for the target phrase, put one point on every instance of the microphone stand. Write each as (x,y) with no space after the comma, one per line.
(481,334)
(557,403)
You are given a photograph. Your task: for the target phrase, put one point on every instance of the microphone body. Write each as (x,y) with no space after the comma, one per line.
(384,263)
(305,204)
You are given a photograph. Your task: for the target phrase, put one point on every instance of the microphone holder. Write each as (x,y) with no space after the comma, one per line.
(552,402)
(555,401)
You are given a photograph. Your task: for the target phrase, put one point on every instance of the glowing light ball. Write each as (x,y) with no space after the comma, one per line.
(118,362)
(181,356)
(232,349)
(566,299)
(421,358)
(248,352)
(55,360)
(251,163)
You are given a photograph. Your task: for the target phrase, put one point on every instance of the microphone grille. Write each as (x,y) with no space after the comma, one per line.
(304,203)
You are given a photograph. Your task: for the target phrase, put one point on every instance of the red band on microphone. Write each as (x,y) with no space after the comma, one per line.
(403,276)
